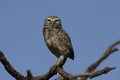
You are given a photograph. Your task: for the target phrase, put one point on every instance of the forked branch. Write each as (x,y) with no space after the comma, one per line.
(89,73)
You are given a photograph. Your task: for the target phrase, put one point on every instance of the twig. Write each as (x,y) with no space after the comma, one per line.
(111,49)
(68,76)
(100,72)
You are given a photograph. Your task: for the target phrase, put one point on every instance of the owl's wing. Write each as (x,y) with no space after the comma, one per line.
(68,44)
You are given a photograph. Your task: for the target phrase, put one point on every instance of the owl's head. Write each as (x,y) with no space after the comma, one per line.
(52,21)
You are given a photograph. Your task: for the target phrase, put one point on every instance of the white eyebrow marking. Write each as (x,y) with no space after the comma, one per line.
(48,18)
(53,19)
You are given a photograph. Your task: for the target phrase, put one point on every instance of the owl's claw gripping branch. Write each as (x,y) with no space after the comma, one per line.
(61,61)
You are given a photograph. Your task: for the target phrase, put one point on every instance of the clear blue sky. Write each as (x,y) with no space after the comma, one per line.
(92,25)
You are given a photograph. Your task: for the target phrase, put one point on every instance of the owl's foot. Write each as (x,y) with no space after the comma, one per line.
(61,60)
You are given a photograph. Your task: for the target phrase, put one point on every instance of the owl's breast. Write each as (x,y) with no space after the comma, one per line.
(48,35)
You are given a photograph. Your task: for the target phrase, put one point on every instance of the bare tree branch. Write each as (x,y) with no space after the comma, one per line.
(48,75)
(9,68)
(68,76)
(96,73)
(111,49)
(100,72)
(65,75)
(90,72)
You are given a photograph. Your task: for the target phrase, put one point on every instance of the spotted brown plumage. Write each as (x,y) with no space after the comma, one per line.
(56,38)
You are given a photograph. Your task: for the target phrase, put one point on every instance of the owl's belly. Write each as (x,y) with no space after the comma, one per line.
(53,46)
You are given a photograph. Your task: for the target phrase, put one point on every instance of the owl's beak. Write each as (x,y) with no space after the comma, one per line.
(52,22)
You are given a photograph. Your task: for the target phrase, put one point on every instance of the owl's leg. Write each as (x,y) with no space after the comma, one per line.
(60,61)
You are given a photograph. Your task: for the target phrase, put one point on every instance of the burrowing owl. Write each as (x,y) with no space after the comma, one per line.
(57,40)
